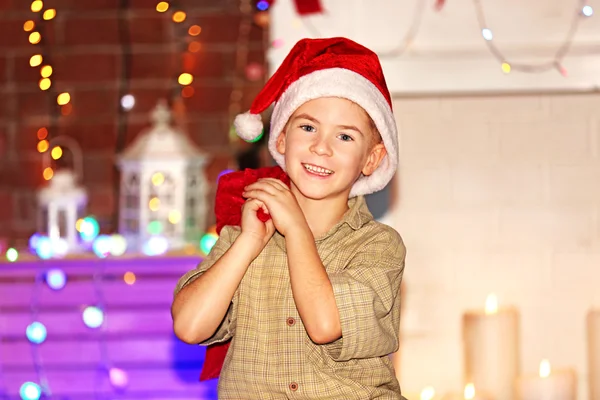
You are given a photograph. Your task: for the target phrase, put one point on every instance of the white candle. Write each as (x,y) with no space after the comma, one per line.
(593,337)
(548,385)
(491,344)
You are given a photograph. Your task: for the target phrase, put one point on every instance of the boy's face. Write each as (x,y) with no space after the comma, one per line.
(328,143)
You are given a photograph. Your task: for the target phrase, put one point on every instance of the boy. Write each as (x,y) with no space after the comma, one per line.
(310,298)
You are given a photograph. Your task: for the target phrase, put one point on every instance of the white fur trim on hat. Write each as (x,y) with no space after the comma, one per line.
(248,126)
(339,82)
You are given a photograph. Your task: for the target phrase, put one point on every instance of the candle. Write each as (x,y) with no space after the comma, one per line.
(491,344)
(593,337)
(548,385)
(468,394)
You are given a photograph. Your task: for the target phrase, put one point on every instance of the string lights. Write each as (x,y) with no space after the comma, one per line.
(34,28)
(584,10)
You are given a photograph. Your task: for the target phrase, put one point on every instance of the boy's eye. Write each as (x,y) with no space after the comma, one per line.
(307,128)
(346,138)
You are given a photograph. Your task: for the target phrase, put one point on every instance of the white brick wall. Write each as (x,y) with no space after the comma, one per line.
(498,194)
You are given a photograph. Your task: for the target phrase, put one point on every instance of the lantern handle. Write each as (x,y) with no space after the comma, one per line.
(68,143)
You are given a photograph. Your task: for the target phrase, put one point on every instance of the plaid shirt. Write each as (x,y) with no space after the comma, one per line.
(272,357)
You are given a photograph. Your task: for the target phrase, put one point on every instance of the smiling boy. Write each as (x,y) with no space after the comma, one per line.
(310,298)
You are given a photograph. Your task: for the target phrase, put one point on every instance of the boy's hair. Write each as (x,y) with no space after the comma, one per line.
(334,67)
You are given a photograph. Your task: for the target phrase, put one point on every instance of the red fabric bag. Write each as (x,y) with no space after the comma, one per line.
(228,211)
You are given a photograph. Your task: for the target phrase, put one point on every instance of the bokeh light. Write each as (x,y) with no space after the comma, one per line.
(207,242)
(49,14)
(48,173)
(162,6)
(63,98)
(118,378)
(194,30)
(35,37)
(93,317)
(12,254)
(185,79)
(37,5)
(30,391)
(36,332)
(36,60)
(56,153)
(56,279)
(179,16)
(129,278)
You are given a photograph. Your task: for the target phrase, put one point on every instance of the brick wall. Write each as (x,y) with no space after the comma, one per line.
(87,45)
(498,194)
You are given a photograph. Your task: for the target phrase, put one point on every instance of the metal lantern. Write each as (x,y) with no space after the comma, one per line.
(63,201)
(163,187)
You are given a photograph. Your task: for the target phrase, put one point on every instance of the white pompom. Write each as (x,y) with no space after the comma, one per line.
(248,126)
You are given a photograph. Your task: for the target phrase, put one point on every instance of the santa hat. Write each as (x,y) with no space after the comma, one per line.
(333,67)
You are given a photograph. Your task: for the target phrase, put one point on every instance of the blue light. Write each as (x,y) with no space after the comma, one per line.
(36,332)
(89,229)
(102,246)
(262,5)
(56,279)
(44,248)
(30,391)
(93,317)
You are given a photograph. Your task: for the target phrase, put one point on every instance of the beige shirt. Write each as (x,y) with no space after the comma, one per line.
(272,357)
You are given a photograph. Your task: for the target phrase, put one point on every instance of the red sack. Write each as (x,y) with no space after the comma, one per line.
(228,211)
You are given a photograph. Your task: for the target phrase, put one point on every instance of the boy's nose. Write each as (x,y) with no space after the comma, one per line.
(321,147)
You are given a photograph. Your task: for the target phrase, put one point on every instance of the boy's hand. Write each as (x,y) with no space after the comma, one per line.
(254,228)
(279,201)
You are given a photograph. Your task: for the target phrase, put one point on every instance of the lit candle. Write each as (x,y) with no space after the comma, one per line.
(491,341)
(468,394)
(593,336)
(548,385)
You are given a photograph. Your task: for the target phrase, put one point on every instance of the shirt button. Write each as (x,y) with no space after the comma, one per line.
(293,386)
(291,321)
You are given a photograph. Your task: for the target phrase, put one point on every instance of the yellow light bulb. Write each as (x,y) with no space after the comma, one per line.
(154,204)
(28,26)
(56,153)
(37,6)
(162,6)
(185,79)
(63,98)
(48,173)
(49,14)
(179,16)
(174,216)
(158,179)
(35,37)
(35,60)
(42,146)
(45,83)
(46,71)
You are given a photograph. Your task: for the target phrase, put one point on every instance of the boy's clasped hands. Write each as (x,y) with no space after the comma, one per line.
(276,199)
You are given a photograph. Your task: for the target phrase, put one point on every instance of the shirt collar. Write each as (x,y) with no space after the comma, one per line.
(355,217)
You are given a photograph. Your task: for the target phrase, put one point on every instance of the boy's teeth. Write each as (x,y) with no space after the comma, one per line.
(318,170)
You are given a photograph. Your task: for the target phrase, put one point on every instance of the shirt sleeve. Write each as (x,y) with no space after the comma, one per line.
(367,295)
(227,327)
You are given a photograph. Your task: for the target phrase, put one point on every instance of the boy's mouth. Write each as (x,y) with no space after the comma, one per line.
(317,170)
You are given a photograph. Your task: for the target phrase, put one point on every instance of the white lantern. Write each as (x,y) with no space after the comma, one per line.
(63,202)
(163,186)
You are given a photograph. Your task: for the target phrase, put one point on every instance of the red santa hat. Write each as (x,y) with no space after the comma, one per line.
(333,67)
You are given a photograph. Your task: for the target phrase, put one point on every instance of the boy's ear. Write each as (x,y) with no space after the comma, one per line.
(378,152)
(280,144)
